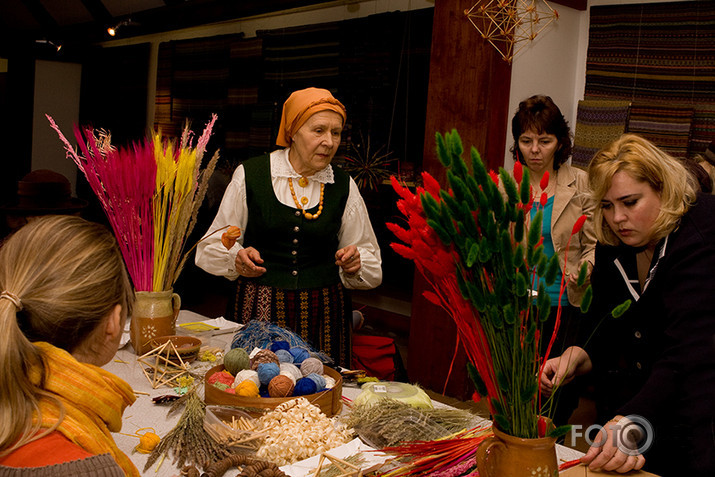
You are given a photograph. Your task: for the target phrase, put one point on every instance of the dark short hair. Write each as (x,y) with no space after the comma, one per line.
(540,114)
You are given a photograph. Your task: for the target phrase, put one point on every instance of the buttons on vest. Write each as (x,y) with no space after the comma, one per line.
(638,334)
(295,241)
(638,365)
(296,229)
(294,273)
(294,252)
(297,213)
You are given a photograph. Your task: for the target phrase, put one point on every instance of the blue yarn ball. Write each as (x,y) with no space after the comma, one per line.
(299,355)
(263,391)
(304,386)
(276,345)
(284,356)
(318,379)
(267,371)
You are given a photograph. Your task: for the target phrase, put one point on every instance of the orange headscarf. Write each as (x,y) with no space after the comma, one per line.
(301,105)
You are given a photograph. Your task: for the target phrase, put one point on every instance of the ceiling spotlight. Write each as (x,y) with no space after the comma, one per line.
(112,30)
(56,46)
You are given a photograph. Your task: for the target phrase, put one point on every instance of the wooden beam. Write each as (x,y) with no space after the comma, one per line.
(575,4)
(469,91)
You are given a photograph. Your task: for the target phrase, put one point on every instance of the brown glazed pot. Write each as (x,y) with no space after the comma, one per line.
(502,455)
(154,315)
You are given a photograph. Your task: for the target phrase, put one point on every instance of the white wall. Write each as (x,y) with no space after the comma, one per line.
(57,87)
(555,64)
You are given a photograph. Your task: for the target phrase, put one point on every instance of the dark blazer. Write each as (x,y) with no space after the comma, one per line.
(658,359)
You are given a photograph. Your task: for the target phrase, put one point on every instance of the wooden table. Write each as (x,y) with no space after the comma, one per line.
(144,413)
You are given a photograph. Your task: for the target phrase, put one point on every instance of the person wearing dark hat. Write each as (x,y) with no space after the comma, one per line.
(41,192)
(306,234)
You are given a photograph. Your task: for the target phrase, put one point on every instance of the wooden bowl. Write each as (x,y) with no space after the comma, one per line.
(187,346)
(329,401)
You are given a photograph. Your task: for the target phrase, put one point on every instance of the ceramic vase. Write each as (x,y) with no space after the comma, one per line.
(503,455)
(154,315)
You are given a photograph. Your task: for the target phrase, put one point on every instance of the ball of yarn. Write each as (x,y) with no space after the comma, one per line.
(292,370)
(263,356)
(236,360)
(329,381)
(246,374)
(276,345)
(263,391)
(147,442)
(267,371)
(284,356)
(311,365)
(304,386)
(222,386)
(318,380)
(223,377)
(247,388)
(299,355)
(280,386)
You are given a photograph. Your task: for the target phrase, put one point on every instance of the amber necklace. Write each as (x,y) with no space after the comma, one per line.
(307,215)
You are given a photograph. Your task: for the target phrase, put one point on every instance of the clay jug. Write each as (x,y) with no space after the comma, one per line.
(154,315)
(503,455)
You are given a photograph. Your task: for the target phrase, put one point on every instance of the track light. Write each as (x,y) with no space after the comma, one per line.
(112,30)
(56,46)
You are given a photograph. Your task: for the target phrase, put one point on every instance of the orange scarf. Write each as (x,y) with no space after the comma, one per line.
(300,106)
(93,399)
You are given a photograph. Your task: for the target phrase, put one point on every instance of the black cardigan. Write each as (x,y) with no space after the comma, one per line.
(658,359)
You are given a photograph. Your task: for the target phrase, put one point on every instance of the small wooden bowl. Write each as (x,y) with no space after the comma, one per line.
(187,346)
(329,401)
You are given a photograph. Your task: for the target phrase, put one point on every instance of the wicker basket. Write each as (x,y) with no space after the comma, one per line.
(329,401)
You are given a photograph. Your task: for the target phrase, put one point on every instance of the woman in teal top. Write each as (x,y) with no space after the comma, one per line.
(542,142)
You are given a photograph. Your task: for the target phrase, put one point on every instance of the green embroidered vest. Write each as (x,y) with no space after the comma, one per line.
(298,253)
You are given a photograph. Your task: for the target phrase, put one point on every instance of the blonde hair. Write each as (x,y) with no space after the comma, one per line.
(644,162)
(60,277)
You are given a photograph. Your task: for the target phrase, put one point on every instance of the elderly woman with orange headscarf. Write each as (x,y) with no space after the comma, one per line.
(305,232)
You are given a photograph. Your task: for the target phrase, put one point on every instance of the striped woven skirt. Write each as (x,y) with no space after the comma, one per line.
(322,317)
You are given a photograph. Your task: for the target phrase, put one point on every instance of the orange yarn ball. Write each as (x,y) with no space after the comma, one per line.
(247,389)
(280,386)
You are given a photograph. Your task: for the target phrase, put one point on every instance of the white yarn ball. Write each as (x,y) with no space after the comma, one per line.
(329,382)
(246,375)
(290,369)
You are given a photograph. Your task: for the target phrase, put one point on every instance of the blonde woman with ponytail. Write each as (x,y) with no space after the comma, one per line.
(64,298)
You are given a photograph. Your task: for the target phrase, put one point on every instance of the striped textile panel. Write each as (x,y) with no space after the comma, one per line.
(702,132)
(598,123)
(245,77)
(665,125)
(660,52)
(192,83)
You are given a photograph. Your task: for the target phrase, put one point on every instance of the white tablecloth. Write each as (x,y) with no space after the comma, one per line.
(144,413)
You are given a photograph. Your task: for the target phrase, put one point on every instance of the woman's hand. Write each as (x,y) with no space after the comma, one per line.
(247,263)
(613,450)
(348,259)
(573,279)
(561,370)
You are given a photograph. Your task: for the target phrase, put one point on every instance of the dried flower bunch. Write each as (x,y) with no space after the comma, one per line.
(368,168)
(151,193)
(483,259)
